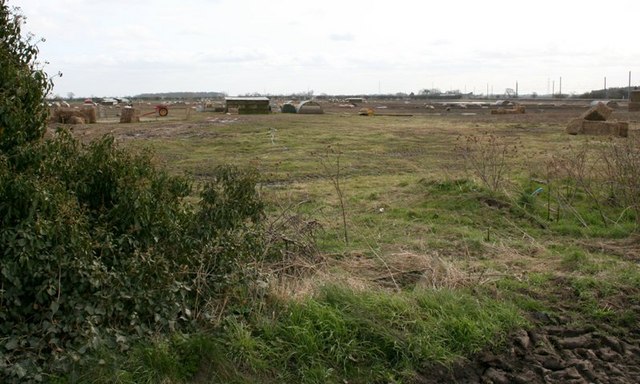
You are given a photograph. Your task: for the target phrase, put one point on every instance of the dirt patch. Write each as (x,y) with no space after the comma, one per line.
(563,346)
(551,353)
(628,248)
(494,203)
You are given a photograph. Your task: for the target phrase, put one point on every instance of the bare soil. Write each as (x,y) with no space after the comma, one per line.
(564,348)
(552,354)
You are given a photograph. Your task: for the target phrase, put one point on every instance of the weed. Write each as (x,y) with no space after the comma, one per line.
(487,157)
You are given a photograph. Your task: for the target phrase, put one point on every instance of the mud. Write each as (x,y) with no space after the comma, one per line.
(552,352)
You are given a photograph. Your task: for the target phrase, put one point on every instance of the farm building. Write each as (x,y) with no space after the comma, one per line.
(247,105)
(309,107)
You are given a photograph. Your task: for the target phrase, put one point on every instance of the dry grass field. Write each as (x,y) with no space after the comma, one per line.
(398,203)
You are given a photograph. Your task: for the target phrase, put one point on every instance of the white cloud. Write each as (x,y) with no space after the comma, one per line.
(122,47)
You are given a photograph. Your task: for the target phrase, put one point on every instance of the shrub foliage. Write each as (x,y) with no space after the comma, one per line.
(99,245)
(23,85)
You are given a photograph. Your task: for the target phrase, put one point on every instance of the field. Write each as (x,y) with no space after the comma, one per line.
(414,201)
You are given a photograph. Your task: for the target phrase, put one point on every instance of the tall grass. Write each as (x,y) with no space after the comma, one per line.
(338,336)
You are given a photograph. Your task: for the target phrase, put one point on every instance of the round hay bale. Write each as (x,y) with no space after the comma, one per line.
(75,120)
(129,115)
(89,112)
(64,115)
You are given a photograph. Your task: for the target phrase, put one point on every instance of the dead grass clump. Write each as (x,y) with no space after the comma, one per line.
(404,270)
(489,158)
(291,261)
(626,249)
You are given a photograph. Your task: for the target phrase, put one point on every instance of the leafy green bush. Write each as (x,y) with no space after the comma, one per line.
(97,246)
(100,246)
(23,85)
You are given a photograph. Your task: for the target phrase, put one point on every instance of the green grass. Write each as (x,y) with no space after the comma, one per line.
(339,335)
(406,190)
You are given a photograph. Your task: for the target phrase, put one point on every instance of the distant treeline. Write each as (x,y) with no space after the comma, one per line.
(181,95)
(610,93)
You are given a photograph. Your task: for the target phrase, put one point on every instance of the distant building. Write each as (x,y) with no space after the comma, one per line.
(355,100)
(109,101)
(247,105)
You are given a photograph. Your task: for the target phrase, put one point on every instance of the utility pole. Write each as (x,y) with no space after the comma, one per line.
(629,89)
(516,89)
(560,93)
(553,89)
(606,93)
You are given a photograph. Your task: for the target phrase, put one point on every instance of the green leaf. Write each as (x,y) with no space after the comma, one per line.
(11,344)
(55,305)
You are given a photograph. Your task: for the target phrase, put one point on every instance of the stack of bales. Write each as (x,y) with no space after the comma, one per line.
(247,105)
(65,115)
(595,122)
(129,115)
(634,101)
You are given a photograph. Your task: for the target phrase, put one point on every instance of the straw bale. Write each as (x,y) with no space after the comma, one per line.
(89,112)
(623,129)
(634,96)
(575,126)
(76,120)
(64,115)
(598,112)
(366,112)
(634,107)
(605,128)
(129,115)
(598,128)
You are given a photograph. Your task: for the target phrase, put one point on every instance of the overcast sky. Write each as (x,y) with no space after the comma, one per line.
(128,47)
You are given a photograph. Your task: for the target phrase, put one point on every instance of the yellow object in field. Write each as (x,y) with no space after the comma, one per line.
(366,112)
